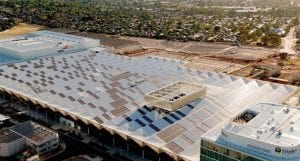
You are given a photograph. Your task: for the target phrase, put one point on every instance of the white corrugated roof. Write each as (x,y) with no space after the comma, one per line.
(274,126)
(85,85)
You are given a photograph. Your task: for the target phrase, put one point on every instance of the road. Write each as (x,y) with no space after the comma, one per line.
(288,42)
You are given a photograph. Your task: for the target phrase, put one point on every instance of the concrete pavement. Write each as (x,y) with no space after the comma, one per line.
(288,43)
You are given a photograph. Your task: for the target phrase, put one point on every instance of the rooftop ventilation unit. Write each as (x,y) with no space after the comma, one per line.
(175,95)
(286,110)
(279,132)
(246,116)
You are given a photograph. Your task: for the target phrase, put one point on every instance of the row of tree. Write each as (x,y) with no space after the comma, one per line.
(7,22)
(131,18)
(298,35)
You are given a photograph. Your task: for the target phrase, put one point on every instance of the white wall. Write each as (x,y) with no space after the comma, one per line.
(12,148)
(244,141)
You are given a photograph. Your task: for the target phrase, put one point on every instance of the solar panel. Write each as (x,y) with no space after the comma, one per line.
(117,103)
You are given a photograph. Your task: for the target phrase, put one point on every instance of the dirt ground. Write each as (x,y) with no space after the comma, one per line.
(210,64)
(220,51)
(244,72)
(197,61)
(197,47)
(186,47)
(20,29)
(290,69)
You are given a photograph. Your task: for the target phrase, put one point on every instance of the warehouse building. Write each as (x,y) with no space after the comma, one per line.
(15,139)
(43,43)
(149,105)
(38,137)
(11,143)
(262,132)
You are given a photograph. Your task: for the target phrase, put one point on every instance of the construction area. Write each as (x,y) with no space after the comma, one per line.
(238,53)
(268,64)
(106,94)
(218,57)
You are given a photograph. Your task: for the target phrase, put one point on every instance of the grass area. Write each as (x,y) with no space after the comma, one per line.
(297,47)
(20,29)
(244,72)
(291,69)
(284,76)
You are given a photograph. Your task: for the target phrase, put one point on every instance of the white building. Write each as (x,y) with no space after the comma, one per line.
(11,143)
(262,132)
(43,43)
(38,137)
(16,138)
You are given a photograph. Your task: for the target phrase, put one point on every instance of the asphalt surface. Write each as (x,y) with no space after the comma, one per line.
(288,42)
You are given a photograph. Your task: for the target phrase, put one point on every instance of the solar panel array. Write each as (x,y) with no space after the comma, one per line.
(7,136)
(108,90)
(33,132)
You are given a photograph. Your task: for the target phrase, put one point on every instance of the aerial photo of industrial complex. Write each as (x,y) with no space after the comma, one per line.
(149,80)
